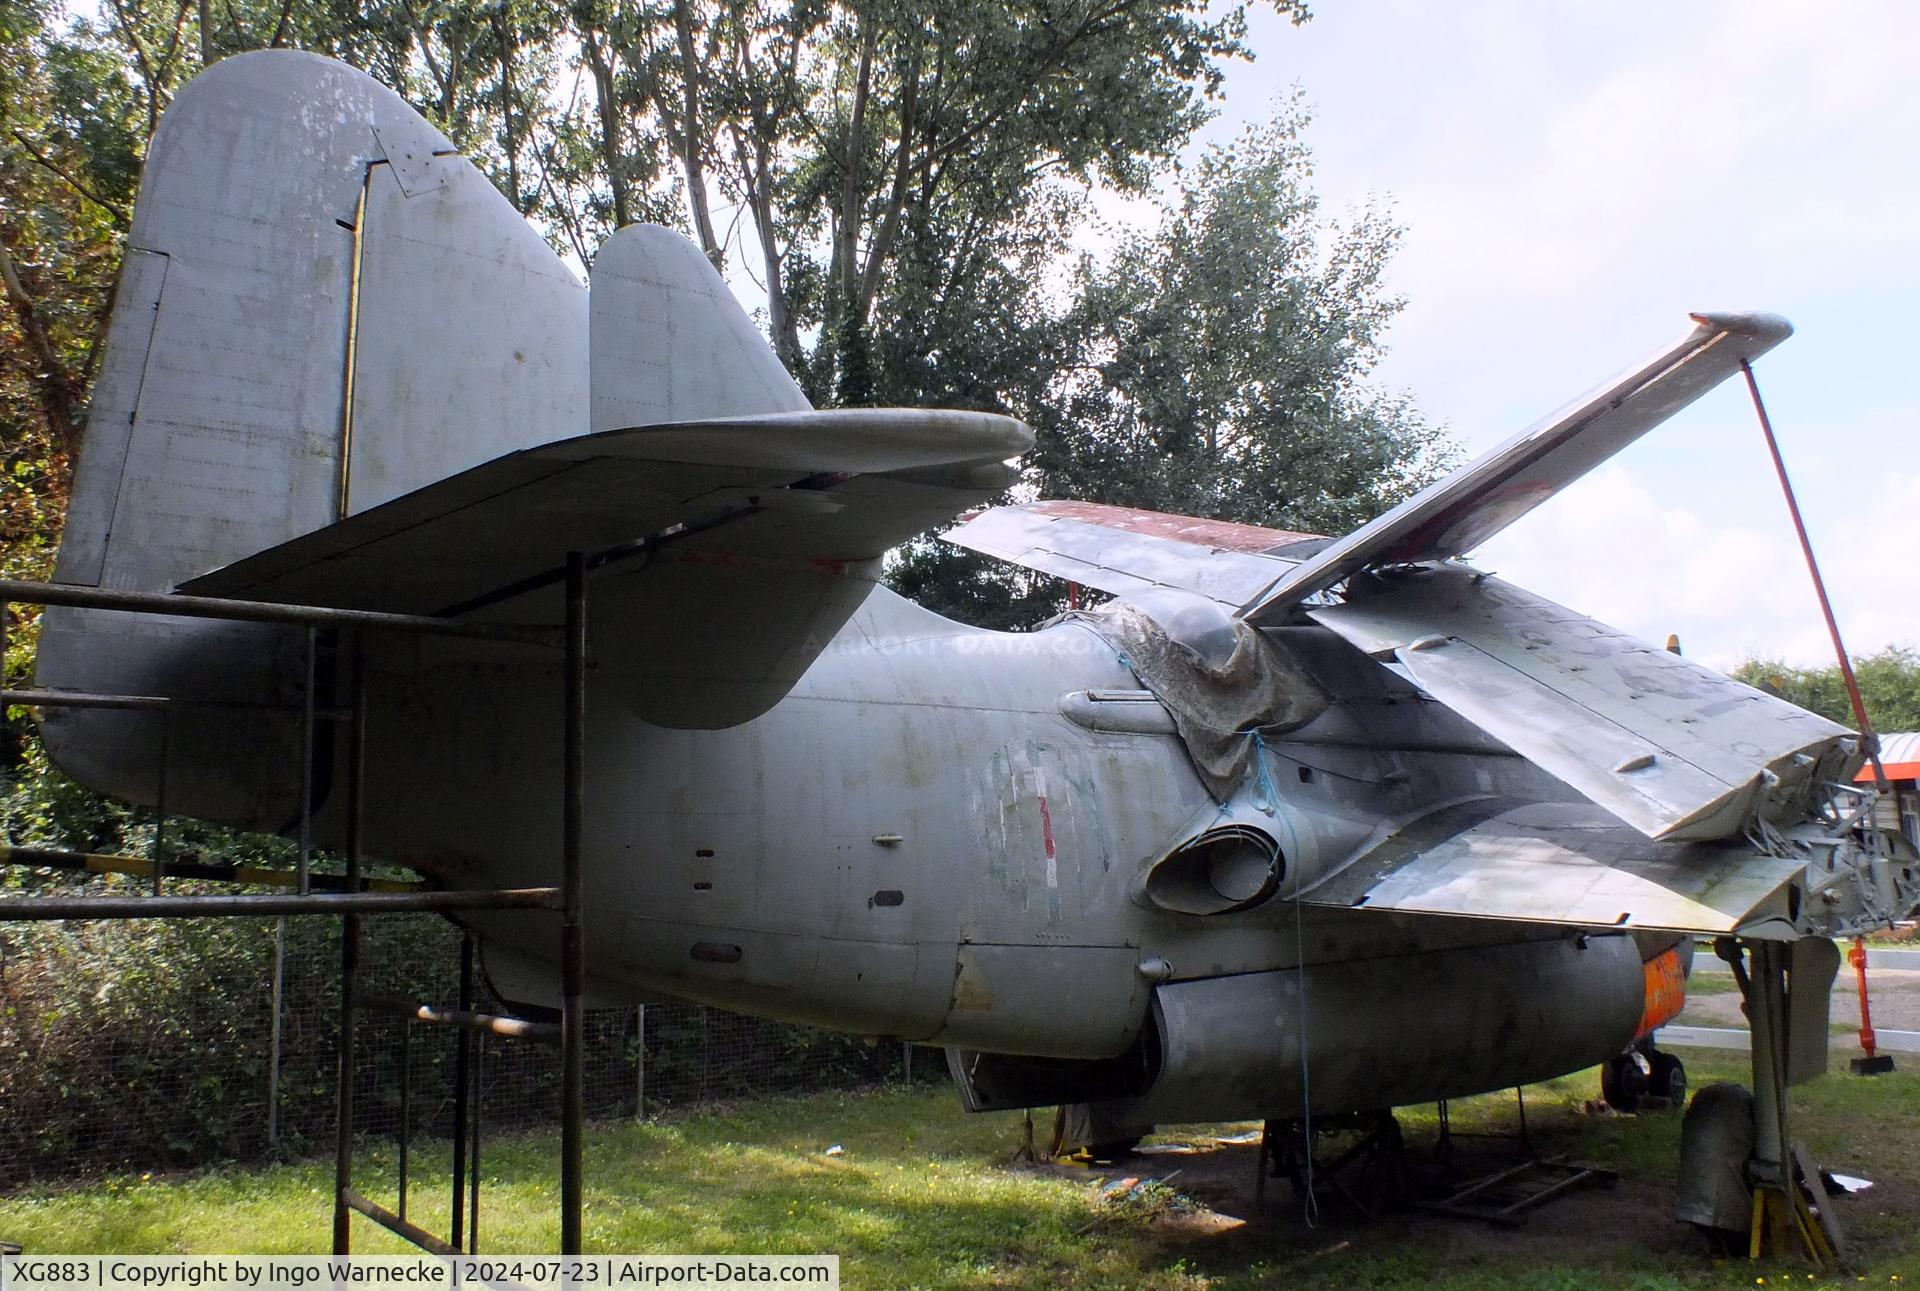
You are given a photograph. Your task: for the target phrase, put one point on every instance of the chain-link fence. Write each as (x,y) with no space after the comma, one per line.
(143,1044)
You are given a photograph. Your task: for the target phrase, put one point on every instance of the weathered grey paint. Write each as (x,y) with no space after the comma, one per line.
(518,377)
(1121,562)
(662,323)
(806,798)
(1672,747)
(1438,1025)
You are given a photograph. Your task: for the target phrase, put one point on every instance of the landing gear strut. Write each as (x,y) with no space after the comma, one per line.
(1727,1167)
(1359,1158)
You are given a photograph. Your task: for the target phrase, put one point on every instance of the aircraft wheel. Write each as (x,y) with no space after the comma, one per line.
(1625,1080)
(1668,1080)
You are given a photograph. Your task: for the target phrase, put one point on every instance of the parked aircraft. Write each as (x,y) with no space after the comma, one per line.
(1293,825)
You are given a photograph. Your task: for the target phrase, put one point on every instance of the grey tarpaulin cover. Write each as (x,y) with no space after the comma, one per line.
(1219,693)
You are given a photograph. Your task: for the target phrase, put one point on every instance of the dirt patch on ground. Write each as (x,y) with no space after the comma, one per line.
(1219,1176)
(1236,1214)
(1629,1224)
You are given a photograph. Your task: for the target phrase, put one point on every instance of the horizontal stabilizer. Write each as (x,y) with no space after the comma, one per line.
(1567,864)
(1123,551)
(758,478)
(1457,514)
(766,531)
(1672,748)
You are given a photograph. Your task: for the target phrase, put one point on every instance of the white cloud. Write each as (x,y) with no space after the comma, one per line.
(1573,179)
(1730,586)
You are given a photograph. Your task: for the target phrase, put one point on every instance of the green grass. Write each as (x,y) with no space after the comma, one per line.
(1711,984)
(922,1196)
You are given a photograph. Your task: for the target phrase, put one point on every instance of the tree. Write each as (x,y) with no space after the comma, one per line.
(1214,365)
(905,174)
(71,135)
(835,128)
(1889,686)
(1224,354)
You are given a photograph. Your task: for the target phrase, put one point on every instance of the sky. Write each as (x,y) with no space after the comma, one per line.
(1574,179)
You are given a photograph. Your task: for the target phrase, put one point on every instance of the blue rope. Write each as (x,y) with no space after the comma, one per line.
(1108,642)
(1311,1209)
(1266,794)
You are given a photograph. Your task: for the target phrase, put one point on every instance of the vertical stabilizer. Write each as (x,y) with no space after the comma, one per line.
(326,308)
(302,234)
(670,342)
(323,307)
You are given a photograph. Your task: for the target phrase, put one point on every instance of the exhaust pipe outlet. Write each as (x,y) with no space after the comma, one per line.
(1232,867)
(1246,853)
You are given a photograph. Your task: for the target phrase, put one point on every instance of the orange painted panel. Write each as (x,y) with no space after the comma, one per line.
(1666,986)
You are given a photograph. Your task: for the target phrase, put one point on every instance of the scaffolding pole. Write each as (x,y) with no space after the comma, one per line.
(572,934)
(32,909)
(50,858)
(302,883)
(353,903)
(462,1091)
(350,962)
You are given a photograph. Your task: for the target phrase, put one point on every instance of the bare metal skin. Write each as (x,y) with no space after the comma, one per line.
(1427,851)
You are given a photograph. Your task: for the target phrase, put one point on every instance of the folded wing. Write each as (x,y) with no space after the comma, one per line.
(1673,748)
(1124,551)
(1676,750)
(1457,514)
(1571,865)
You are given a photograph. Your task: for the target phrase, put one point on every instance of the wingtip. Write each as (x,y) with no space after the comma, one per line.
(1761,331)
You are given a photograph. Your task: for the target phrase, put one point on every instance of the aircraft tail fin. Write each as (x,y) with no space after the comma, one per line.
(325,308)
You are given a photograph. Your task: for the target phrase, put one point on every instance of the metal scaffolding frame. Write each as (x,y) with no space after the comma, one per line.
(352,897)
